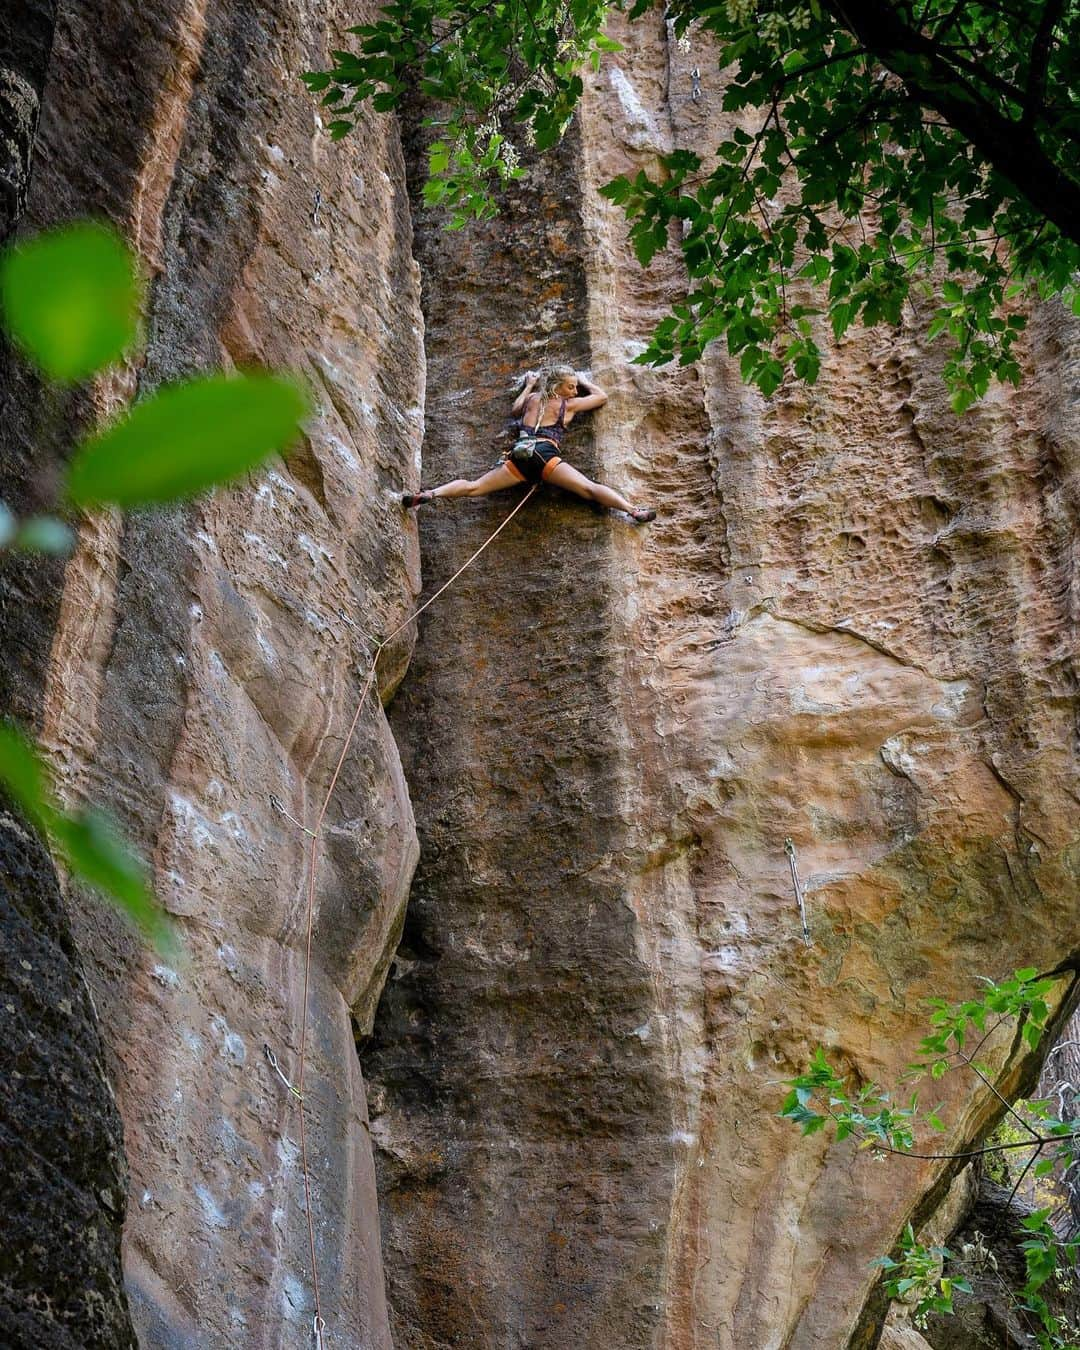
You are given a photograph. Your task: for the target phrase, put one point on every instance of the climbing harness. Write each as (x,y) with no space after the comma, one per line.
(318,1325)
(789,849)
(525,453)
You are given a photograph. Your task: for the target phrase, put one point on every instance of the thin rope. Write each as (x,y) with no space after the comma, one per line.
(318,1324)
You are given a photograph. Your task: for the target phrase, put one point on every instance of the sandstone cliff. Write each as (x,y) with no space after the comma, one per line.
(851,626)
(203,662)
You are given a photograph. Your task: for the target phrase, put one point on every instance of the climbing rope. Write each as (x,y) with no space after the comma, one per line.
(318,1324)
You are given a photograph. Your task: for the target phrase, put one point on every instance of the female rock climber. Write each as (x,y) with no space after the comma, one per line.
(543,411)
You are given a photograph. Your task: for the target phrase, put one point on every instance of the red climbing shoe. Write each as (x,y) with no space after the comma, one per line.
(643,514)
(410,499)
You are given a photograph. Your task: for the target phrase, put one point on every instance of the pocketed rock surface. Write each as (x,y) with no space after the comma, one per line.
(206,661)
(852,626)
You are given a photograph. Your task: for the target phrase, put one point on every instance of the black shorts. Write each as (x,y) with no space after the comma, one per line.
(539,466)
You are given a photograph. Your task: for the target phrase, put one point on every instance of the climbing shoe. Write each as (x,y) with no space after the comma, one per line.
(643,514)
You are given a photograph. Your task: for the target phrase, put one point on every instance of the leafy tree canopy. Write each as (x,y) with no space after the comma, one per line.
(919,152)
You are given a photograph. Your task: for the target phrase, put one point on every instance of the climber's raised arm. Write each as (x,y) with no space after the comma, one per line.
(594,397)
(531,380)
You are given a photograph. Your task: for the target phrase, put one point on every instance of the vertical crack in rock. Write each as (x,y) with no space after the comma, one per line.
(851,626)
(524,1136)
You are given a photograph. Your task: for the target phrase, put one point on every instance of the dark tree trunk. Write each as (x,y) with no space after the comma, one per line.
(1060,1085)
(63,1180)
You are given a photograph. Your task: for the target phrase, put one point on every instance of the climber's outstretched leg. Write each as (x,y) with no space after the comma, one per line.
(565,477)
(492,481)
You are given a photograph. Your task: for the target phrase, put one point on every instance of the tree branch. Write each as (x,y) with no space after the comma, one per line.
(1040,59)
(1010,148)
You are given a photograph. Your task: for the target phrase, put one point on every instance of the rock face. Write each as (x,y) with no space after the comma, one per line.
(64,1189)
(852,626)
(205,663)
(25,42)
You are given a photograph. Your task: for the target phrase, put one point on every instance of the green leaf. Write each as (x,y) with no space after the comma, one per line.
(96,853)
(186,438)
(23,775)
(818,268)
(88,842)
(8,525)
(937,325)
(71,299)
(840,316)
(44,534)
(769,376)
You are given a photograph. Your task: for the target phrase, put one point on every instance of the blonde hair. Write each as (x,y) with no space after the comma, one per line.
(550,377)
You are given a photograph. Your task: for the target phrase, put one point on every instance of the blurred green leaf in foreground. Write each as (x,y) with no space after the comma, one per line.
(189,437)
(87,841)
(71,301)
